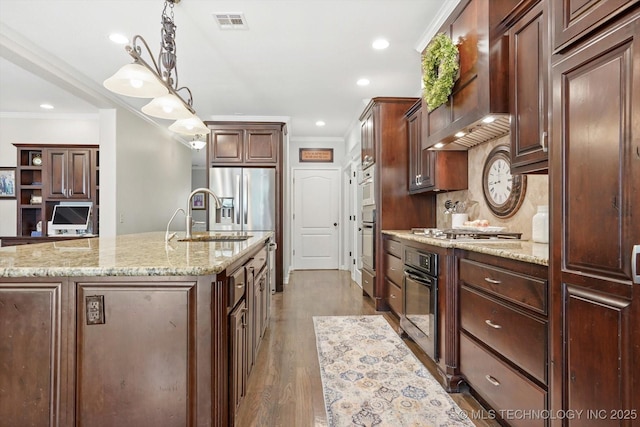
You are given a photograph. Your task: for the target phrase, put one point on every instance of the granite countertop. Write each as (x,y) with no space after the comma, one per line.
(143,254)
(521,250)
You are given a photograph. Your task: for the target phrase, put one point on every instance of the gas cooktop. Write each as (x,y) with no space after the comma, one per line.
(466,234)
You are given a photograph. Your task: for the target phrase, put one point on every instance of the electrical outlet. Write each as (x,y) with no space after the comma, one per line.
(95,309)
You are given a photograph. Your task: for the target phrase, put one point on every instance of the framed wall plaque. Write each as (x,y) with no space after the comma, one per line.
(316,155)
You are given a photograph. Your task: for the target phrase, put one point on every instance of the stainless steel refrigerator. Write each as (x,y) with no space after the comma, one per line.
(248,198)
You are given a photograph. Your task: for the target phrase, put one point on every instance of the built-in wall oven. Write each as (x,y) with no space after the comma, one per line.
(368,238)
(420,318)
(368,230)
(367,185)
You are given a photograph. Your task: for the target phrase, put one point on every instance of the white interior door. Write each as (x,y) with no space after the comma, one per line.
(316,194)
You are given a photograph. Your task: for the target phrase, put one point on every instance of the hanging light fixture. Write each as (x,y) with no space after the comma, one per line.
(197,143)
(159,81)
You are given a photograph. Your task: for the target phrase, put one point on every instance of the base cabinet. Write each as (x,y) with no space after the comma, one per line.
(125,350)
(504,335)
(33,355)
(238,345)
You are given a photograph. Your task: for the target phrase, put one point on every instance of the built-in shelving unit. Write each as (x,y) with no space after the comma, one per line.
(38,182)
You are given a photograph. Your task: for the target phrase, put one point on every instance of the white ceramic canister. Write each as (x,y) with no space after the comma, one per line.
(540,225)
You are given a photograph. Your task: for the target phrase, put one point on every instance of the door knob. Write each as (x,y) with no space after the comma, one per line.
(335,224)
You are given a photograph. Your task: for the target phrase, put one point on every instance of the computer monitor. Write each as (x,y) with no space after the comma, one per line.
(70,218)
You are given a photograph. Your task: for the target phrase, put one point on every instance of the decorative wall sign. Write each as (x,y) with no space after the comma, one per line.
(316,155)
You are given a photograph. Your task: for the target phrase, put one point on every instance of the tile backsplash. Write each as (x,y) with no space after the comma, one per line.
(537,193)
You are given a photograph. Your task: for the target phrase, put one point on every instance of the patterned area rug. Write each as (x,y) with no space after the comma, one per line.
(371,378)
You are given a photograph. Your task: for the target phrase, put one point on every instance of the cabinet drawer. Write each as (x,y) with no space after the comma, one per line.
(394,297)
(393,247)
(368,283)
(525,290)
(393,269)
(517,336)
(502,387)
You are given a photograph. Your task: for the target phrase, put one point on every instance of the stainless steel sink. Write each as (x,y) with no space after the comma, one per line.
(217,238)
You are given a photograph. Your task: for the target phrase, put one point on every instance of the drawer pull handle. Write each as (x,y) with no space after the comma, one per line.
(494,281)
(493,325)
(492,380)
(393,296)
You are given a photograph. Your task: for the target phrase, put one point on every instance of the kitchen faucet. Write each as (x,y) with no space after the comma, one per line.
(188,216)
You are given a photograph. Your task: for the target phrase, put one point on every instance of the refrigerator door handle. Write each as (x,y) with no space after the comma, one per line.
(236,204)
(245,204)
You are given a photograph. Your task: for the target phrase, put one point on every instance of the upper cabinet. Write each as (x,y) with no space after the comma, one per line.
(432,170)
(367,139)
(481,89)
(574,19)
(245,143)
(528,87)
(69,173)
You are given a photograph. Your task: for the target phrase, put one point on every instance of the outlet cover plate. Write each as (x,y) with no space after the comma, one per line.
(94,309)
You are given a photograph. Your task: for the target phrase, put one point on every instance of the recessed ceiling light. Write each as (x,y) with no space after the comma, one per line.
(363,82)
(380,44)
(320,123)
(118,38)
(46,106)
(489,119)
(438,145)
(459,134)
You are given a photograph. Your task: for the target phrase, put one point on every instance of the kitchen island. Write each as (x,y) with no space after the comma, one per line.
(127,330)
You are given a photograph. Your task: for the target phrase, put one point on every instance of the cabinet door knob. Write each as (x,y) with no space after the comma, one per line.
(634,265)
(492,380)
(543,141)
(493,325)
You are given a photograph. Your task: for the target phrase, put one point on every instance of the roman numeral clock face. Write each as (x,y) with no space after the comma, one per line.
(502,191)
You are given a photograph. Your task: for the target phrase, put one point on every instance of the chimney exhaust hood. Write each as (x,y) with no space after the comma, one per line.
(478,108)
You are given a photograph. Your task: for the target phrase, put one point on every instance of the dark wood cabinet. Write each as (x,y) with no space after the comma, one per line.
(367,139)
(238,348)
(145,333)
(393,272)
(35,354)
(528,90)
(67,172)
(595,200)
(504,333)
(432,169)
(244,143)
(395,208)
(574,19)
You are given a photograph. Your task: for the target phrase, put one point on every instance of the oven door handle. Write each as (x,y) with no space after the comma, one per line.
(419,279)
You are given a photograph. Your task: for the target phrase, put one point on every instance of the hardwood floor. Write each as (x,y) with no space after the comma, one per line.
(284,388)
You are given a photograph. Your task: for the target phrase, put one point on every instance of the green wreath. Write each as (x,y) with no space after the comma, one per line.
(439,70)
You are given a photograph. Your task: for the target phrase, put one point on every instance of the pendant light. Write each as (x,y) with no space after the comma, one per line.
(159,80)
(190,126)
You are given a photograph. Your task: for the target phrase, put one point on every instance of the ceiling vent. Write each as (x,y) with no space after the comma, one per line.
(231,21)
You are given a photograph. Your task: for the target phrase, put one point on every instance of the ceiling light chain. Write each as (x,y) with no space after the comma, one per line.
(160,81)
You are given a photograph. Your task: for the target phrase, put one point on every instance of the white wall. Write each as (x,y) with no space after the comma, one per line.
(39,129)
(153,174)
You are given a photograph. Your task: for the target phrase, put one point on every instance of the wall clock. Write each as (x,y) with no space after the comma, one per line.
(502,191)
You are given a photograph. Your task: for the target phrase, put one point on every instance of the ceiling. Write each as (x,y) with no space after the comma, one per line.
(298,60)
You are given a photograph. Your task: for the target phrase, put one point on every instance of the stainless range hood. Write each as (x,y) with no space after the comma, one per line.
(478,133)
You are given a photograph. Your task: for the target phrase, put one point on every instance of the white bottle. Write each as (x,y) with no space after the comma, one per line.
(540,225)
